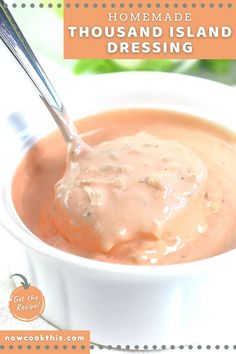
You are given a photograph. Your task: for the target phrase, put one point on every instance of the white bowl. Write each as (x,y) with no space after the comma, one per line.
(123,304)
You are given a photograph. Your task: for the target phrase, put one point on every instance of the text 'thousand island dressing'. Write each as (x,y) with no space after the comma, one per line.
(157,188)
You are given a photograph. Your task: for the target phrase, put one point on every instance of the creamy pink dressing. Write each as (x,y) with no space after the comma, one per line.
(142,196)
(136,185)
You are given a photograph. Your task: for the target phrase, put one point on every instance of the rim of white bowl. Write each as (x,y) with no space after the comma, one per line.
(31,241)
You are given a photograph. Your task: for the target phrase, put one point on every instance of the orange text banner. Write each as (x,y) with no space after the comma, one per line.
(141,29)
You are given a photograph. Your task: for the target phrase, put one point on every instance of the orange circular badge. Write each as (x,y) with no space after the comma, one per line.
(26,302)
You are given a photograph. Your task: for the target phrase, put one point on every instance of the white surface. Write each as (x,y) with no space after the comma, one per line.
(12,99)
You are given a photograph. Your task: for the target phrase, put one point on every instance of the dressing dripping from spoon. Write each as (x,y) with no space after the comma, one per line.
(15,41)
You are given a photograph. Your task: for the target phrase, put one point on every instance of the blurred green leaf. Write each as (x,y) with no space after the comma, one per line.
(216,66)
(223,70)
(157,65)
(96,66)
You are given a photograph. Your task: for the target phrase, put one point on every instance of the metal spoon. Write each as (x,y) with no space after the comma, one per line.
(15,41)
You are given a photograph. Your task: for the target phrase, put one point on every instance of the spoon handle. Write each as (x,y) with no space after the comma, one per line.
(15,41)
